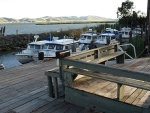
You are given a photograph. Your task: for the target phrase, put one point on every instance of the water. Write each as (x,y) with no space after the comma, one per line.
(31,28)
(9,60)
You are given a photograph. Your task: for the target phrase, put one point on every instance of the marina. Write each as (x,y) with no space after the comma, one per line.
(24,89)
(81,60)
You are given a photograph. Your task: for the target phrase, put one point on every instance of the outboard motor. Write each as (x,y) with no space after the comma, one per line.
(81,47)
(92,45)
(74,47)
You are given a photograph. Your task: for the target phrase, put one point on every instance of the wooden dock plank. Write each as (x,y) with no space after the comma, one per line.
(145,97)
(23,89)
(56,107)
(7,106)
(143,100)
(132,98)
(48,106)
(31,106)
(23,72)
(64,108)
(105,91)
(89,84)
(112,93)
(74,109)
(139,97)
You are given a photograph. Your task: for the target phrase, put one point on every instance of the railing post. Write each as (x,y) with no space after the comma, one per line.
(55,87)
(60,55)
(50,86)
(120,91)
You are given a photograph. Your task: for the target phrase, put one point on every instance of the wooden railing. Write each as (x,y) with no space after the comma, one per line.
(89,64)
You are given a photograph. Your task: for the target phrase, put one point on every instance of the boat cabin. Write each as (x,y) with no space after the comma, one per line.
(86,38)
(105,39)
(52,47)
(35,47)
(125,32)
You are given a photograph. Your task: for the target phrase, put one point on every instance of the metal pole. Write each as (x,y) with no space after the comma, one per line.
(148,27)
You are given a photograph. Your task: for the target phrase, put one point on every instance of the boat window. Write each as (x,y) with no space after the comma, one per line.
(82,37)
(126,33)
(51,46)
(89,37)
(113,37)
(66,47)
(101,38)
(31,46)
(37,46)
(44,46)
(59,47)
(104,37)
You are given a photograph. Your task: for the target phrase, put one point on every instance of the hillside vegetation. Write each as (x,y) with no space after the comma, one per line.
(48,19)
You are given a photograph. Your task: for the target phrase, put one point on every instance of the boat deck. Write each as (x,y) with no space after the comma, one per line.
(23,89)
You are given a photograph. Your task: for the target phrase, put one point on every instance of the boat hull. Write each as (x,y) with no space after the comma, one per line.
(24,58)
(35,58)
(1,66)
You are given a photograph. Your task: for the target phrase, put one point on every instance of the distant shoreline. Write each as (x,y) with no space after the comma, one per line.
(73,22)
(59,22)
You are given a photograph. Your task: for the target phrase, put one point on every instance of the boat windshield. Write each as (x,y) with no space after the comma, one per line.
(49,46)
(101,38)
(32,46)
(59,47)
(37,46)
(89,37)
(82,37)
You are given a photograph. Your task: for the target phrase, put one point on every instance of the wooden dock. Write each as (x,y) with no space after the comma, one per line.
(132,95)
(23,89)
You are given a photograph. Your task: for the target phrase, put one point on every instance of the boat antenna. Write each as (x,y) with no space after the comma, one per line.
(36,37)
(50,37)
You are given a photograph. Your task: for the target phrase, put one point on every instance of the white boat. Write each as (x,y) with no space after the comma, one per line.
(1,65)
(125,33)
(50,48)
(32,49)
(138,31)
(105,39)
(86,38)
(110,30)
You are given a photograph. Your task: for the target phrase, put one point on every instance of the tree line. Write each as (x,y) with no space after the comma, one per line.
(130,18)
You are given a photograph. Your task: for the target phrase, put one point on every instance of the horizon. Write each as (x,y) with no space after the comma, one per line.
(58,17)
(66,8)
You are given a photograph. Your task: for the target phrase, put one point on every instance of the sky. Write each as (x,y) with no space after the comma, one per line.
(39,8)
